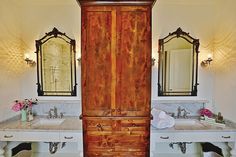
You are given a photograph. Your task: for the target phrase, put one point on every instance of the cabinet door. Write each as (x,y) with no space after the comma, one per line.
(133,60)
(98,51)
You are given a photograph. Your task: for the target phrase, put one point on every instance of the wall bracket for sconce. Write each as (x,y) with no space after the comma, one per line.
(206,62)
(79,61)
(153,61)
(30,62)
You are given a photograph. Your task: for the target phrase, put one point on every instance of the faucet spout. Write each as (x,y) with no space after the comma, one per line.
(55,112)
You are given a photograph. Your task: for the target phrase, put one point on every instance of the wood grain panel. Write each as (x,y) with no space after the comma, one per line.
(117,154)
(116,71)
(96,62)
(99,141)
(133,62)
(133,125)
(99,125)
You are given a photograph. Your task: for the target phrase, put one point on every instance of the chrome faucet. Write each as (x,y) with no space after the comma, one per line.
(50,115)
(179,111)
(185,115)
(53,113)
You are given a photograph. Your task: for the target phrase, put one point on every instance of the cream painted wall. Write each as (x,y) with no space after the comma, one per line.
(11,59)
(224,65)
(195,17)
(40,17)
(24,21)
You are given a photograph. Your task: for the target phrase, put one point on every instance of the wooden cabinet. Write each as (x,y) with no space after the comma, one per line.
(121,134)
(133,61)
(116,77)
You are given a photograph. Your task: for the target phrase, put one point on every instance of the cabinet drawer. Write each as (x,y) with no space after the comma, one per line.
(97,141)
(70,137)
(133,125)
(131,143)
(117,154)
(98,125)
(30,136)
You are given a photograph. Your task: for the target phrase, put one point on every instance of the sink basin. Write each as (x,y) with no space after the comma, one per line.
(182,124)
(48,122)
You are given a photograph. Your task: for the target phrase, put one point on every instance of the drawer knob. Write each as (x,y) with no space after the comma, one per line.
(165,137)
(225,136)
(99,126)
(68,138)
(6,136)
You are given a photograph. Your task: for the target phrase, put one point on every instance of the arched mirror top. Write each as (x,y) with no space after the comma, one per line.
(56,69)
(178,64)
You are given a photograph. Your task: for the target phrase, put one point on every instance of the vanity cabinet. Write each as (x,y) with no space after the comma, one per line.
(116,77)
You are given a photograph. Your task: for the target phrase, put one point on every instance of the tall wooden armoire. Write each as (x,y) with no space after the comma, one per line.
(116,77)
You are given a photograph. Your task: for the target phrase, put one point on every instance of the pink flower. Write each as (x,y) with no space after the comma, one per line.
(16,107)
(205,112)
(23,105)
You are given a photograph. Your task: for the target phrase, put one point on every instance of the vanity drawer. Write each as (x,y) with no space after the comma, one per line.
(199,136)
(30,136)
(162,137)
(70,137)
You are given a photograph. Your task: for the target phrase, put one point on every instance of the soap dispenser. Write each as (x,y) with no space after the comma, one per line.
(219,118)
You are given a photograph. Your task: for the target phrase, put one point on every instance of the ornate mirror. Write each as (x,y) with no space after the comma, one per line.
(178,65)
(56,69)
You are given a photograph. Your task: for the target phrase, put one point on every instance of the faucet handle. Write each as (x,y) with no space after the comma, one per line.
(172,114)
(179,110)
(185,115)
(55,112)
(49,113)
(61,115)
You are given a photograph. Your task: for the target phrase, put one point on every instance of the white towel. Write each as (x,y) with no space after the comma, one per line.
(161,120)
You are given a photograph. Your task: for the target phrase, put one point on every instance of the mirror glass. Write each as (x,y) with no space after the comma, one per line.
(178,59)
(56,65)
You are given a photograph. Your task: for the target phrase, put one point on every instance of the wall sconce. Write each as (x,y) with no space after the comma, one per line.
(79,61)
(153,61)
(207,62)
(29,61)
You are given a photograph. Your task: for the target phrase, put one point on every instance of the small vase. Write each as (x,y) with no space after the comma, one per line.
(23,115)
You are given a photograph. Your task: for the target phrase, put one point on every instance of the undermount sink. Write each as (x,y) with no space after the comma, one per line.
(48,122)
(182,124)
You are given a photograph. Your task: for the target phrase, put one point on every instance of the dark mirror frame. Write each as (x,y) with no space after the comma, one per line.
(195,42)
(39,43)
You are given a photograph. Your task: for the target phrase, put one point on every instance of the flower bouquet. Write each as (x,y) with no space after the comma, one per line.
(23,106)
(206,112)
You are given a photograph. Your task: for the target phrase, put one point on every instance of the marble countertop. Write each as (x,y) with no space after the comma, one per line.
(229,127)
(74,124)
(70,124)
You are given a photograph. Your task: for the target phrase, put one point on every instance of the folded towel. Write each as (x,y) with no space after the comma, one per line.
(161,120)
